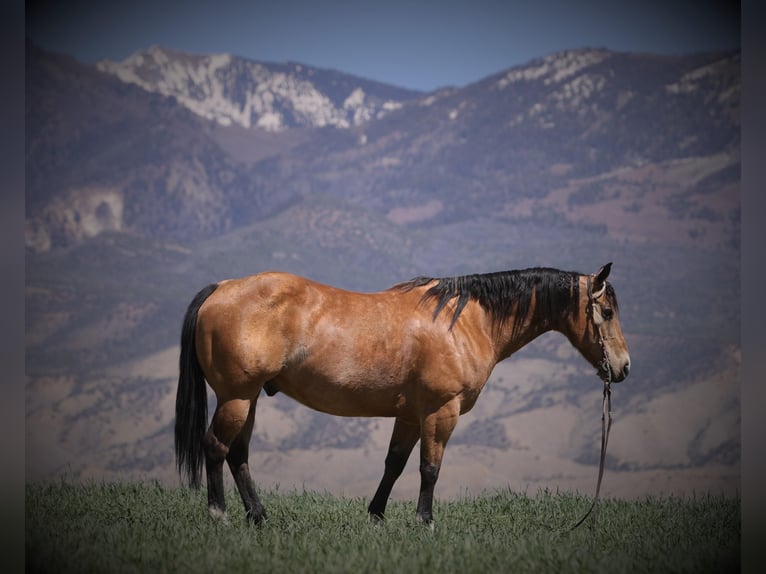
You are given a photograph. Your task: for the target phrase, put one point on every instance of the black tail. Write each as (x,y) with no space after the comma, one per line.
(191,397)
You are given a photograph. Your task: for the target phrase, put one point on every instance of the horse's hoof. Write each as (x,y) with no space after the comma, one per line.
(427,522)
(377,519)
(219,515)
(256,518)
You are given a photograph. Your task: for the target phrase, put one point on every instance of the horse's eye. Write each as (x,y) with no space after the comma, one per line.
(607,313)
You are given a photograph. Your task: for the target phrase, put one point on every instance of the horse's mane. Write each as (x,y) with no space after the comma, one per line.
(504,292)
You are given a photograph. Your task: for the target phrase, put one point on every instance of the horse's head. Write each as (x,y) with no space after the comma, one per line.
(596,329)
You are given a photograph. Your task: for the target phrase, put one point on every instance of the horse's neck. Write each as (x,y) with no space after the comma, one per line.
(508,341)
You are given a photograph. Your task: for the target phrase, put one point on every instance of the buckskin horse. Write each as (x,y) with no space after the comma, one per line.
(420,351)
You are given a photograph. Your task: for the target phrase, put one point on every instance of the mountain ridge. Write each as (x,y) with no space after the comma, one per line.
(272,96)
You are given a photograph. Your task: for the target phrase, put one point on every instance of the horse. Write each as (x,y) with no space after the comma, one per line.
(420,351)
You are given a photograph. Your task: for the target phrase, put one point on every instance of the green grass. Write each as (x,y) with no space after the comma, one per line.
(149,528)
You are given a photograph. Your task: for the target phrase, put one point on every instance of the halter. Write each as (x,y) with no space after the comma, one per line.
(606,408)
(604,366)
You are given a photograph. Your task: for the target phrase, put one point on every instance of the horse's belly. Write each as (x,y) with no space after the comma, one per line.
(353,398)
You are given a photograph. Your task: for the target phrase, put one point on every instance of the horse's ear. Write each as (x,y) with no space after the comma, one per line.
(603,273)
(599,280)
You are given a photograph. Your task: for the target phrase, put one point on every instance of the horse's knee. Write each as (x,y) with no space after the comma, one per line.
(429,473)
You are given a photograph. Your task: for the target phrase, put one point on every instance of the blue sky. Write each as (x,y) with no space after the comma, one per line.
(416,44)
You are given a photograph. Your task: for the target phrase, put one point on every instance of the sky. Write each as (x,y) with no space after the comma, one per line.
(421,45)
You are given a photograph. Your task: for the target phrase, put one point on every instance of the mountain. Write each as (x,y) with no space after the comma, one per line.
(105,156)
(150,178)
(144,163)
(570,124)
(274,97)
(513,138)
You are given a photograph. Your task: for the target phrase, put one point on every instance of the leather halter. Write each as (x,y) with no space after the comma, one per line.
(604,366)
(606,409)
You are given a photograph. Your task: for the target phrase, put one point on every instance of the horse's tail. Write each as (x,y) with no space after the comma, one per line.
(191,397)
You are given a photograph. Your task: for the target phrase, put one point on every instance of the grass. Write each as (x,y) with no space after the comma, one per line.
(145,527)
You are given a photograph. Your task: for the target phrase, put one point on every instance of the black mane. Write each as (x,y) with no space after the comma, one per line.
(502,293)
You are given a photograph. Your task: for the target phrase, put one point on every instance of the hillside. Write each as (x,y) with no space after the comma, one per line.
(138,195)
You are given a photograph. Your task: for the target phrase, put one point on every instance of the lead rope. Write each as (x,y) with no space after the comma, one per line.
(606,410)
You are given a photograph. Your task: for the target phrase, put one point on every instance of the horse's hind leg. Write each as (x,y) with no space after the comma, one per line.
(238,463)
(403,439)
(228,421)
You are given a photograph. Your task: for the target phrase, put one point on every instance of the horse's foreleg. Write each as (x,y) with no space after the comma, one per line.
(403,439)
(228,421)
(436,429)
(238,463)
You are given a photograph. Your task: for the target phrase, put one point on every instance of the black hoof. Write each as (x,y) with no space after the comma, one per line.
(256,518)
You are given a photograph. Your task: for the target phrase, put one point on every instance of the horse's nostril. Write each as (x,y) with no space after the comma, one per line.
(626,370)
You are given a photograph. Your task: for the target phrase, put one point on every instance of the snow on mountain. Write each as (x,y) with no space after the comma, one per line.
(273,97)
(555,67)
(711,76)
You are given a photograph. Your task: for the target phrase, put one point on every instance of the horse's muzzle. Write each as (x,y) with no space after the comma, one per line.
(622,374)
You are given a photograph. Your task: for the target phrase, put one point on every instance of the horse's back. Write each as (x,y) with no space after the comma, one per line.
(261,322)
